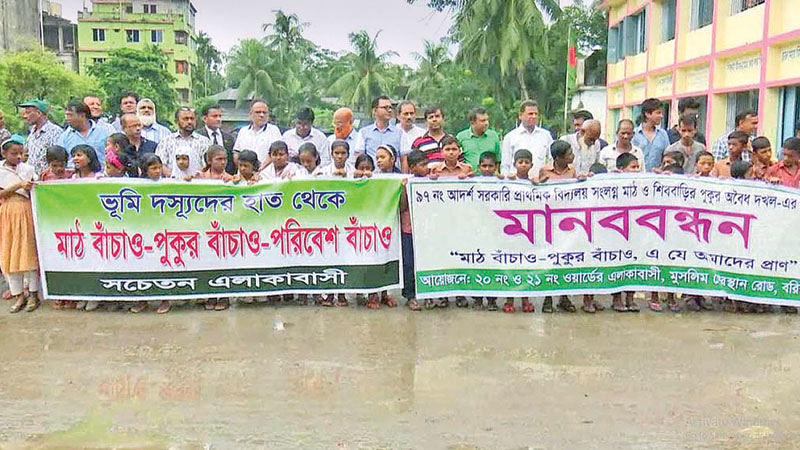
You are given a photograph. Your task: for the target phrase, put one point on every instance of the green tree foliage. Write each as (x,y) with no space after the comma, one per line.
(39,74)
(508,34)
(248,69)
(365,72)
(207,78)
(142,71)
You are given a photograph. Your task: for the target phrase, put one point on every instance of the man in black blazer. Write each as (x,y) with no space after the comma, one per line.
(212,118)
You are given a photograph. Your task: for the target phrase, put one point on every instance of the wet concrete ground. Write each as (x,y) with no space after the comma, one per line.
(349,378)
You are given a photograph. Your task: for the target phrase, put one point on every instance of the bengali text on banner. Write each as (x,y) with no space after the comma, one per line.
(614,232)
(136,239)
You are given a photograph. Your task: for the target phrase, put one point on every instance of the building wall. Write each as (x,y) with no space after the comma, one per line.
(757,50)
(19,24)
(116,22)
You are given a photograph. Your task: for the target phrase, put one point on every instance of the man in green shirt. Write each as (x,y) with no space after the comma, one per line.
(478,138)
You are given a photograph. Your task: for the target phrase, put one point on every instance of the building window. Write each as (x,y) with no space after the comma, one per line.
(738,102)
(149,9)
(132,35)
(738,6)
(616,49)
(156,36)
(98,60)
(184,95)
(668,20)
(98,34)
(181,37)
(702,13)
(181,67)
(790,117)
(636,33)
(129,9)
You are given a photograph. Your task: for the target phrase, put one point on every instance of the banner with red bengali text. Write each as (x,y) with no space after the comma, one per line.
(614,232)
(133,239)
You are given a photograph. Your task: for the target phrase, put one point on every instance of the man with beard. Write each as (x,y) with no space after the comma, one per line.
(343,131)
(185,137)
(151,130)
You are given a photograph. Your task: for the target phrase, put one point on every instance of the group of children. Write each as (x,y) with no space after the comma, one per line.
(17,248)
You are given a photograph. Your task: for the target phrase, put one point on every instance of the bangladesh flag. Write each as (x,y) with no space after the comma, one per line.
(572,63)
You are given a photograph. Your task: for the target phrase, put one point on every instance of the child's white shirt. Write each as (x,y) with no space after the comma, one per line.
(327,170)
(291,170)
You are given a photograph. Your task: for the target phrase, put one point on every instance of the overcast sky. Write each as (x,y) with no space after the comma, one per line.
(405,27)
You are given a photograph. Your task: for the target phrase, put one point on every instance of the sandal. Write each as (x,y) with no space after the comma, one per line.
(387,300)
(57,304)
(222,305)
(588,305)
(288,297)
(444,303)
(547,306)
(462,302)
(706,304)
(477,303)
(527,306)
(328,301)
(18,305)
(341,301)
(413,304)
(597,305)
(317,298)
(508,306)
(566,305)
(430,304)
(655,306)
(619,307)
(138,307)
(209,305)
(693,303)
(302,300)
(491,304)
(7,294)
(674,306)
(32,304)
(164,307)
(632,306)
(372,302)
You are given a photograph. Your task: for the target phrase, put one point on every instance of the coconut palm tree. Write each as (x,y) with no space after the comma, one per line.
(433,62)
(364,71)
(508,33)
(249,65)
(287,32)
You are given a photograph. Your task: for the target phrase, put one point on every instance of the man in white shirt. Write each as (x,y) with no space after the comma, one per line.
(527,136)
(407,114)
(589,146)
(303,132)
(343,131)
(260,134)
(609,154)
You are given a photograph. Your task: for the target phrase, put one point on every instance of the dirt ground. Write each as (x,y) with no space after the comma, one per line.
(349,378)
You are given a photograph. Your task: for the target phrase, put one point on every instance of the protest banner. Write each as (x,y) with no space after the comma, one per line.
(490,237)
(136,239)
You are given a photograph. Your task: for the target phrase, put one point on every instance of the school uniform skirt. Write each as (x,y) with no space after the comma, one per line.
(17,241)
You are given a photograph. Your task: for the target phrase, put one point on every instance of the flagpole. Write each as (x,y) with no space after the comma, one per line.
(566,80)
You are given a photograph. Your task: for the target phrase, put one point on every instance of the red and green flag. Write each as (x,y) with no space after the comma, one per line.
(572,62)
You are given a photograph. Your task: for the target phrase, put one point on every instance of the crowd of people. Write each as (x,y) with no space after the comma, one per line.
(135,144)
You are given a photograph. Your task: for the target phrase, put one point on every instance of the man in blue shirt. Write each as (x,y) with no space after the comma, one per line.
(380,132)
(649,136)
(81,130)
